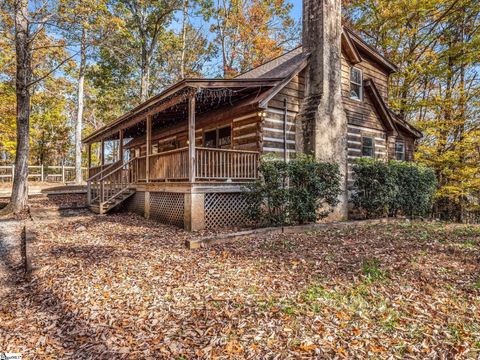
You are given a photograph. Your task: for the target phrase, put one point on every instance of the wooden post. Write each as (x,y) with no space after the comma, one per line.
(102,153)
(13,172)
(191,138)
(41,172)
(89,158)
(149,148)
(120,137)
(63,173)
(194,212)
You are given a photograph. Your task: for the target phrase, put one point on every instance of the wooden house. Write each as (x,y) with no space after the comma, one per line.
(185,154)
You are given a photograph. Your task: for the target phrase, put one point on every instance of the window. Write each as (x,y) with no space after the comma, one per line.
(218,138)
(224,137)
(400,151)
(356,84)
(210,139)
(368,149)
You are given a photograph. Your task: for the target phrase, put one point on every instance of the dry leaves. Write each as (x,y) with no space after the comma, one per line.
(125,287)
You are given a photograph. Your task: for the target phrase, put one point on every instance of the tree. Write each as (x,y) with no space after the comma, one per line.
(85,25)
(23,51)
(29,21)
(145,23)
(250,32)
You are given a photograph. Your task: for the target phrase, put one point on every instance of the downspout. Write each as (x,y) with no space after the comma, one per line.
(285,118)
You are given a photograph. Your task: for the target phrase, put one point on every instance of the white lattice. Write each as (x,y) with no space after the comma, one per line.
(225,210)
(167,208)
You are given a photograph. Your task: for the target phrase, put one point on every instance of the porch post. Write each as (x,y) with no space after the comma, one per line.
(89,155)
(102,153)
(149,147)
(191,139)
(120,147)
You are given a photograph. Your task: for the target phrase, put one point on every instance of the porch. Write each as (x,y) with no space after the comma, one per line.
(201,134)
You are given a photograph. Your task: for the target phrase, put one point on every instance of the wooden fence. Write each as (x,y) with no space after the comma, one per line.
(43,173)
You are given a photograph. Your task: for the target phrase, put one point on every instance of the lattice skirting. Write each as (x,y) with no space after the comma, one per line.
(167,208)
(136,203)
(225,210)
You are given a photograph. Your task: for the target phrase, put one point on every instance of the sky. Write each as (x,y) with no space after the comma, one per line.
(297,9)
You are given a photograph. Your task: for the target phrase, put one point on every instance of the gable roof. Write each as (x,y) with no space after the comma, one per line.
(279,67)
(354,46)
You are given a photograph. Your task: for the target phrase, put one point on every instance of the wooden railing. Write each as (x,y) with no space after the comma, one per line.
(210,165)
(139,172)
(169,165)
(224,164)
(109,183)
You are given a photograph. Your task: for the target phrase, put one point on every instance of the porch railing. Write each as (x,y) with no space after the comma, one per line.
(110,183)
(169,165)
(210,165)
(224,164)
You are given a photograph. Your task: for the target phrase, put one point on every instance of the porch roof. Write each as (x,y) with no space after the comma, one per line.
(171,105)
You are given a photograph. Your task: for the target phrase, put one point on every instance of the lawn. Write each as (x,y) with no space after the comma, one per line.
(119,286)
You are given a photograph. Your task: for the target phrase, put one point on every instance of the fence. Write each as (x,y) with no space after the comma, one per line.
(43,173)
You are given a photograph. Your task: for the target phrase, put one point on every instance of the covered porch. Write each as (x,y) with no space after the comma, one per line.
(198,132)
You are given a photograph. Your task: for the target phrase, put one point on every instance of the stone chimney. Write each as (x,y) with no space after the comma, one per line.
(323,119)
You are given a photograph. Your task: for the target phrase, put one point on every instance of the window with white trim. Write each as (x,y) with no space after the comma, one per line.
(356,84)
(400,151)
(368,147)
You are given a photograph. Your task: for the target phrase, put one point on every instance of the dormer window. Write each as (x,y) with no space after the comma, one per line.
(356,84)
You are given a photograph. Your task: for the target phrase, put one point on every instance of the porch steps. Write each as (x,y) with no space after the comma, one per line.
(105,207)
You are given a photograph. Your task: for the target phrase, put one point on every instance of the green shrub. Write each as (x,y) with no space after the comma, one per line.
(267,197)
(415,189)
(389,188)
(313,189)
(374,187)
(298,192)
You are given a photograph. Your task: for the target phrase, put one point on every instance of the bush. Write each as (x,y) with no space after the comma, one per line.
(415,189)
(374,187)
(298,192)
(382,189)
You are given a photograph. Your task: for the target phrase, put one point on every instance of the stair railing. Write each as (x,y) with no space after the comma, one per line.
(114,183)
(93,184)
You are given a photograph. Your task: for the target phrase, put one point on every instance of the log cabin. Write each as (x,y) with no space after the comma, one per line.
(184,155)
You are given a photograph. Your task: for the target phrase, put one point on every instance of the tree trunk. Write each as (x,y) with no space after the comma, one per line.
(184,39)
(23,49)
(78,124)
(145,76)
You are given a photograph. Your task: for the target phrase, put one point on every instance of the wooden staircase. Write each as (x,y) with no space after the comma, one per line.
(110,187)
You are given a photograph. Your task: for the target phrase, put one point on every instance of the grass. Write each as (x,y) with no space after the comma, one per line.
(371,269)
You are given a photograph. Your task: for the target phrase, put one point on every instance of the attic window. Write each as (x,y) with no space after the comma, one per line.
(356,82)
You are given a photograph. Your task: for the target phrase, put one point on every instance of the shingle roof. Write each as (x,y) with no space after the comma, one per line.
(279,67)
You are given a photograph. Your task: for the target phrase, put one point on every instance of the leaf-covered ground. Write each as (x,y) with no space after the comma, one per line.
(119,286)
